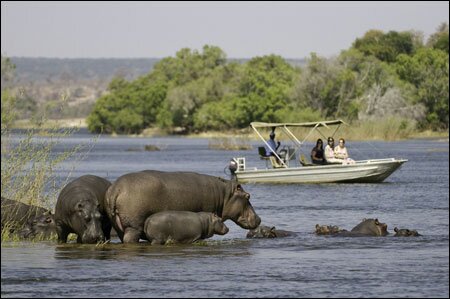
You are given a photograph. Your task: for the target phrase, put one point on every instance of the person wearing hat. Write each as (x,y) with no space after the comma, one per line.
(273,146)
(329,152)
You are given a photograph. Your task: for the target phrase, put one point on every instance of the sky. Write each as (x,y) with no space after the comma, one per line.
(241,29)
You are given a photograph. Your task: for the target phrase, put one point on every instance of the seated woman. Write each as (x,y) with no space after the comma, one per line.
(329,153)
(317,153)
(340,152)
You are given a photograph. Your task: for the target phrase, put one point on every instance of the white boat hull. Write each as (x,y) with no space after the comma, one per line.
(367,171)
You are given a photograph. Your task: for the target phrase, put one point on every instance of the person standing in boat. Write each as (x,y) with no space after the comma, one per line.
(329,153)
(317,153)
(340,152)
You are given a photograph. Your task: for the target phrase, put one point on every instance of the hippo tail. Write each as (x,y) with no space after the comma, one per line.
(111,206)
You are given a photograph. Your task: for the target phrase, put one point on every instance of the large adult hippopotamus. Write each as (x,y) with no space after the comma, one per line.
(182,227)
(80,209)
(17,215)
(370,227)
(135,196)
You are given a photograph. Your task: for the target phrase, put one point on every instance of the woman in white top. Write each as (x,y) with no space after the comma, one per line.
(340,152)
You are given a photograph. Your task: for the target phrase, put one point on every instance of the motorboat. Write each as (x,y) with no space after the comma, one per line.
(280,167)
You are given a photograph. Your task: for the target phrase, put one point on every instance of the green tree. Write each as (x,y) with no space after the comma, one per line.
(386,46)
(428,72)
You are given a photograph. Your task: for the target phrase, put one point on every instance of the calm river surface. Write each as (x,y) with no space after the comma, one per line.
(416,196)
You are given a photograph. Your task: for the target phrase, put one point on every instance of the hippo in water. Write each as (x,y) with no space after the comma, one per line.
(135,196)
(263,231)
(404,232)
(328,229)
(370,227)
(80,209)
(42,226)
(182,227)
(19,217)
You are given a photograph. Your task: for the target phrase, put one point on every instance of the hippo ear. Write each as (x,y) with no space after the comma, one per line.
(376,221)
(395,229)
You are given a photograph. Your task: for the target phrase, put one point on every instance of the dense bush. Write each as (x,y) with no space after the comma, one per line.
(392,74)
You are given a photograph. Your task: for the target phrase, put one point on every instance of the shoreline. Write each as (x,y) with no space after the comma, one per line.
(80,123)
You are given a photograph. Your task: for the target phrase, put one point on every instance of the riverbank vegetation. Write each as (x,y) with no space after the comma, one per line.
(394,82)
(28,164)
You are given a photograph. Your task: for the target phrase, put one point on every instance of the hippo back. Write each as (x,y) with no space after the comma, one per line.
(17,214)
(370,227)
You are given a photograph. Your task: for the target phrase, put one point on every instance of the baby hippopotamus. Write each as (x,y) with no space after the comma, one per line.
(263,231)
(182,227)
(328,229)
(404,232)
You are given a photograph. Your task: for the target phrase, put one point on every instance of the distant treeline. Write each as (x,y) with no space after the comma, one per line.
(51,69)
(382,74)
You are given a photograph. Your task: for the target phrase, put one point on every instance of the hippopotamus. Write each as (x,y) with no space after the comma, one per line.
(133,197)
(80,209)
(263,231)
(370,227)
(42,226)
(182,226)
(17,216)
(328,229)
(404,232)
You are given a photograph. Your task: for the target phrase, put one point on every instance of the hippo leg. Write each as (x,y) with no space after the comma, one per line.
(131,235)
(62,234)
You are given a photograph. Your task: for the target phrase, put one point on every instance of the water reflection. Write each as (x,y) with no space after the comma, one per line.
(121,251)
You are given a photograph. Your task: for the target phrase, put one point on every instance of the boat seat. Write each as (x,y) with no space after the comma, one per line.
(275,163)
(262,153)
(303,161)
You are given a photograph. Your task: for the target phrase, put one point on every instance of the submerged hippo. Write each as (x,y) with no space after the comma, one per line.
(80,209)
(263,231)
(18,217)
(182,227)
(370,227)
(328,229)
(404,232)
(136,196)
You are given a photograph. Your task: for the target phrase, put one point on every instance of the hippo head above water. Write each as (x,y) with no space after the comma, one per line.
(371,227)
(404,232)
(327,229)
(86,221)
(218,227)
(262,231)
(239,209)
(42,225)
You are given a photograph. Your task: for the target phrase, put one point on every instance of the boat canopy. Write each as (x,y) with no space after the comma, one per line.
(305,125)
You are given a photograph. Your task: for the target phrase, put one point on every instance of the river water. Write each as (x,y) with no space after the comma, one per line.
(416,197)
